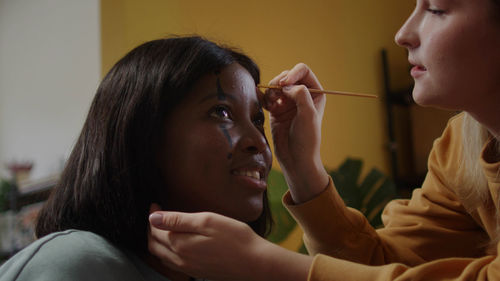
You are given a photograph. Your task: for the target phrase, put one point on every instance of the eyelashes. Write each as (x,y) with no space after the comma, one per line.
(223,112)
(436,12)
(259,119)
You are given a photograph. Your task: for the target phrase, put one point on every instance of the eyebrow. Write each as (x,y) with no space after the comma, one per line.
(231,97)
(216,96)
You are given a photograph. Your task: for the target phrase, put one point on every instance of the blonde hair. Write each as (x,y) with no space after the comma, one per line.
(474,185)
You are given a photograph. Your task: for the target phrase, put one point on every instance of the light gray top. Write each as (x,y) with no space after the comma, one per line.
(76,255)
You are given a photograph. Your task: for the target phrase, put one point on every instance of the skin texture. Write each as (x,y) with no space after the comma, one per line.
(209,137)
(212,138)
(454,46)
(186,242)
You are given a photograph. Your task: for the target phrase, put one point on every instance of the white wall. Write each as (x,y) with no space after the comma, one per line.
(49,71)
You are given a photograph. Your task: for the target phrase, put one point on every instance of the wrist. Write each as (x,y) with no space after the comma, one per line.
(307,181)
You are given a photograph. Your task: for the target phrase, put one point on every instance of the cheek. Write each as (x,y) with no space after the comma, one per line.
(212,152)
(229,142)
(186,148)
(268,156)
(194,161)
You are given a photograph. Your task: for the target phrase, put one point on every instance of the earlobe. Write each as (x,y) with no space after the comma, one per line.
(154,207)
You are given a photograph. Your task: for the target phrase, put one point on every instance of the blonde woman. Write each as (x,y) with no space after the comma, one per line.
(448,230)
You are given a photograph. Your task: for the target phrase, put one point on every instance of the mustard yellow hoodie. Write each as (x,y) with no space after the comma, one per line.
(428,237)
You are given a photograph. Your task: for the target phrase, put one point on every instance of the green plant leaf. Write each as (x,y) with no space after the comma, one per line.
(284,222)
(381,194)
(368,196)
(345,179)
(5,188)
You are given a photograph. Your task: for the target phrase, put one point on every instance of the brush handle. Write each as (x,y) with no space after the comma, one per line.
(323,91)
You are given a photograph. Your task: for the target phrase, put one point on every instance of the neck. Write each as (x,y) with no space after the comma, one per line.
(490,120)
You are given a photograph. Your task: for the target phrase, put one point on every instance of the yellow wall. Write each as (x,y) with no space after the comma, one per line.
(339,39)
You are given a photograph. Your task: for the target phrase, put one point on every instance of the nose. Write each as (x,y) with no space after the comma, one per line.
(407,36)
(253,141)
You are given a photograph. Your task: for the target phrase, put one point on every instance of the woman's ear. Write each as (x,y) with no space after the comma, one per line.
(154,207)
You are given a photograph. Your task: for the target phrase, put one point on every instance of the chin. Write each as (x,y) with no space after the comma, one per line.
(435,98)
(425,98)
(434,103)
(250,214)
(255,216)
(420,97)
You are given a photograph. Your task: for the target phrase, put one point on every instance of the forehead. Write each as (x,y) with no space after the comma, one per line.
(233,82)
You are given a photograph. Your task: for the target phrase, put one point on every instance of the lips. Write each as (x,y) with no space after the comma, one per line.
(248,173)
(253,176)
(416,65)
(254,170)
(417,70)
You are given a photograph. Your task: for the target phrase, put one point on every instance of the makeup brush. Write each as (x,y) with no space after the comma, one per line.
(323,91)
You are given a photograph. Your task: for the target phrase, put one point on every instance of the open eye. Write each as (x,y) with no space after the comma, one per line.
(436,12)
(259,119)
(221,111)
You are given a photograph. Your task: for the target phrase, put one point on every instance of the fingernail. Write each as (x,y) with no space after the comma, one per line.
(156,218)
(287,88)
(283,80)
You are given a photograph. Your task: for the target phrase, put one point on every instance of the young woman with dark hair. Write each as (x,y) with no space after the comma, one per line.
(175,125)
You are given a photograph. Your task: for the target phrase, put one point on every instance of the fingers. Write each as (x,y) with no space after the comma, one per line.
(296,101)
(300,74)
(161,250)
(175,221)
(271,95)
(183,246)
(302,98)
(272,98)
(276,79)
(260,96)
(200,223)
(172,248)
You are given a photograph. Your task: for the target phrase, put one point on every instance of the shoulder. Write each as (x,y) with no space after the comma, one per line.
(71,254)
(448,149)
(452,133)
(444,162)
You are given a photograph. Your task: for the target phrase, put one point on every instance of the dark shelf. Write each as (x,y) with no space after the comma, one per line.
(398,100)
(29,193)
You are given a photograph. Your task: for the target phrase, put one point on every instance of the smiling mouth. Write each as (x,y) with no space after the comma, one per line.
(248,173)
